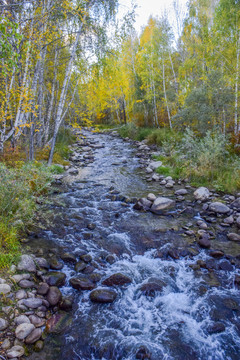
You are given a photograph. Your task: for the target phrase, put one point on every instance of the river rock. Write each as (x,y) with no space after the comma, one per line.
(229,220)
(151,197)
(236,203)
(202,194)
(219,208)
(21,294)
(55,278)
(161,204)
(26,264)
(143,353)
(37,321)
(181,192)
(238,221)
(155,164)
(66,304)
(38,346)
(42,263)
(58,323)
(80,265)
(25,284)
(152,286)
(54,295)
(72,171)
(23,330)
(216,328)
(204,241)
(82,283)
(32,303)
(117,279)
(6,344)
(21,319)
(15,352)
(43,288)
(146,204)
(34,336)
(3,324)
(103,296)
(233,237)
(17,278)
(5,289)
(86,258)
(55,264)
(67,257)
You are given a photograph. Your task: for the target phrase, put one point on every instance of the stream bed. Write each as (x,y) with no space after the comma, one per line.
(192,314)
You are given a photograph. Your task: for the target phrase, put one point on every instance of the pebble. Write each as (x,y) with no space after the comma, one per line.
(15,352)
(3,324)
(23,330)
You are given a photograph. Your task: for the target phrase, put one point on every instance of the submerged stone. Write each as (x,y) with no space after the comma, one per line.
(103,296)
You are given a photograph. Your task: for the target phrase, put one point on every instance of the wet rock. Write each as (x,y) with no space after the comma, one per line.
(27,264)
(237,280)
(117,279)
(67,257)
(23,330)
(225,265)
(204,241)
(216,328)
(91,226)
(80,265)
(34,336)
(43,288)
(5,289)
(219,208)
(161,204)
(25,284)
(54,295)
(55,278)
(32,303)
(86,258)
(152,287)
(38,346)
(231,304)
(95,277)
(15,352)
(110,259)
(217,254)
(55,264)
(233,237)
(66,304)
(58,323)
(143,353)
(103,296)
(21,319)
(88,270)
(3,324)
(146,204)
(202,194)
(82,283)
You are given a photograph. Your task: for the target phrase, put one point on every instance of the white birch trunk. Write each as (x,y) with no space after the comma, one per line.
(165,96)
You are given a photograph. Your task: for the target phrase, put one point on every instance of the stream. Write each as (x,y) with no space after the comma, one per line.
(95,215)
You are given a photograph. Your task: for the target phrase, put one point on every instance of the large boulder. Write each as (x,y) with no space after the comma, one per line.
(219,208)
(161,204)
(117,279)
(202,194)
(27,264)
(103,296)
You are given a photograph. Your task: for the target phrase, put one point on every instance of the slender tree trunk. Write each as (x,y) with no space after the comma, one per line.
(165,96)
(236,125)
(62,99)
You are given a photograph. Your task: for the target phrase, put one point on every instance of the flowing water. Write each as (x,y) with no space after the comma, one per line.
(173,323)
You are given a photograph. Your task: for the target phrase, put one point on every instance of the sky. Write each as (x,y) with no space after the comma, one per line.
(152,7)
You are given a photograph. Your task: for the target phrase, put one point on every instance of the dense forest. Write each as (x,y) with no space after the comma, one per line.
(71,62)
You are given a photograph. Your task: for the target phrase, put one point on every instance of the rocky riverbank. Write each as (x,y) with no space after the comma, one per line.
(34,303)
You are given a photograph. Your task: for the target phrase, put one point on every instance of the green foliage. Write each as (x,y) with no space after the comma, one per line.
(64,139)
(56,169)
(164,170)
(9,245)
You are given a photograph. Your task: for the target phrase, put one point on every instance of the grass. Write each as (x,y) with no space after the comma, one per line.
(21,185)
(208,161)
